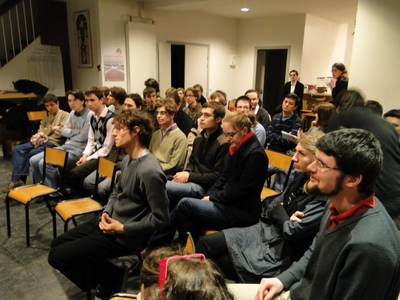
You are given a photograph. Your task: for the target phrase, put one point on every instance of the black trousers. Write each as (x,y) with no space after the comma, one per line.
(214,247)
(81,255)
(77,175)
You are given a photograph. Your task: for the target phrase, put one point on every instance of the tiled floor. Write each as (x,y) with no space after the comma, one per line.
(24,271)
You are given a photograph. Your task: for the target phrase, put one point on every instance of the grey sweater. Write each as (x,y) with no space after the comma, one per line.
(139,200)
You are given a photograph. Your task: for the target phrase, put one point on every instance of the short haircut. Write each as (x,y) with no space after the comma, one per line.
(148,91)
(395,113)
(199,87)
(50,98)
(375,106)
(105,90)
(168,103)
(118,93)
(295,71)
(94,90)
(220,95)
(194,91)
(356,152)
(243,98)
(294,97)
(253,91)
(170,91)
(76,93)
(136,98)
(219,108)
(133,118)
(151,82)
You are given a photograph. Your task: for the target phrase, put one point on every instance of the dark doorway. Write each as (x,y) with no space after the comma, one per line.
(177,66)
(271,73)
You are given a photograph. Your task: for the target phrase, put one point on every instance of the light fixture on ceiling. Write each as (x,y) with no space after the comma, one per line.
(244,9)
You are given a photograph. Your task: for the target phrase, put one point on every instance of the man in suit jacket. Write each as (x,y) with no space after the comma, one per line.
(294,86)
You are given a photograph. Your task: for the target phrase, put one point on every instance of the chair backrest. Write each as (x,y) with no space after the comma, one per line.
(279,160)
(190,247)
(105,168)
(36,115)
(56,157)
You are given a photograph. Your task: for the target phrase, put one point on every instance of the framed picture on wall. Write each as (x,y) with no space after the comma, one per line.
(83,38)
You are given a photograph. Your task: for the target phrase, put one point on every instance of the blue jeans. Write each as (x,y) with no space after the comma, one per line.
(194,215)
(20,158)
(53,178)
(176,191)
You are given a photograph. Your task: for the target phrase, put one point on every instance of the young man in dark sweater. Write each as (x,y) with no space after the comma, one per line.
(206,160)
(137,207)
(355,253)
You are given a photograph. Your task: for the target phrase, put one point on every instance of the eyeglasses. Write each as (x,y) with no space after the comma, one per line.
(321,165)
(162,113)
(163,267)
(230,135)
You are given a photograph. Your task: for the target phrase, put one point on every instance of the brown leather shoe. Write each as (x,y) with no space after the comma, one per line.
(12,185)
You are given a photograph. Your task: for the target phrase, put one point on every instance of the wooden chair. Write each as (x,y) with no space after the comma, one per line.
(280,161)
(69,209)
(190,246)
(34,118)
(29,193)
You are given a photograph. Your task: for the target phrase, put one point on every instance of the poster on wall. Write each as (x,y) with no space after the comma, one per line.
(114,68)
(83,39)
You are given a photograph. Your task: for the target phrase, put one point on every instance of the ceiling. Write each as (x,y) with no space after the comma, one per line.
(340,11)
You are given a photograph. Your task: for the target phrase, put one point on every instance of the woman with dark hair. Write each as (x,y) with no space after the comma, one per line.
(340,82)
(350,99)
(322,115)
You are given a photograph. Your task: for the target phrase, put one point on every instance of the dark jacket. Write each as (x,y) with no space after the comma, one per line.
(341,85)
(207,158)
(237,190)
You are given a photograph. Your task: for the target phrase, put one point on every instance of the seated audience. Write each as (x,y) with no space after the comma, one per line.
(323,113)
(285,232)
(387,186)
(234,199)
(355,253)
(219,96)
(75,129)
(200,98)
(99,144)
(193,108)
(168,274)
(350,98)
(206,160)
(137,207)
(133,101)
(115,99)
(243,103)
(48,135)
(262,114)
(168,144)
(393,117)
(150,97)
(286,121)
(182,120)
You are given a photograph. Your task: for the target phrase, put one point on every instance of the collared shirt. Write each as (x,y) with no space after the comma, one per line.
(256,109)
(337,218)
(293,86)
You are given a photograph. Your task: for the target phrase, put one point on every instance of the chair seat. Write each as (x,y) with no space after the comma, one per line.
(70,208)
(25,194)
(267,192)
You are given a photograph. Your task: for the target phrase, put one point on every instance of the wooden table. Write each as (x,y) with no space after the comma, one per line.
(307,117)
(313,99)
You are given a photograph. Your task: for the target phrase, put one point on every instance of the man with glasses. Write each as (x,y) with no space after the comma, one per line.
(206,160)
(193,108)
(243,103)
(168,143)
(355,253)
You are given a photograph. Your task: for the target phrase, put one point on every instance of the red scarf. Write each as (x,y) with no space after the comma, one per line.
(244,139)
(336,218)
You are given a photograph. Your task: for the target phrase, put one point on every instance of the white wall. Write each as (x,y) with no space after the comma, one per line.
(325,43)
(375,58)
(217,32)
(267,33)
